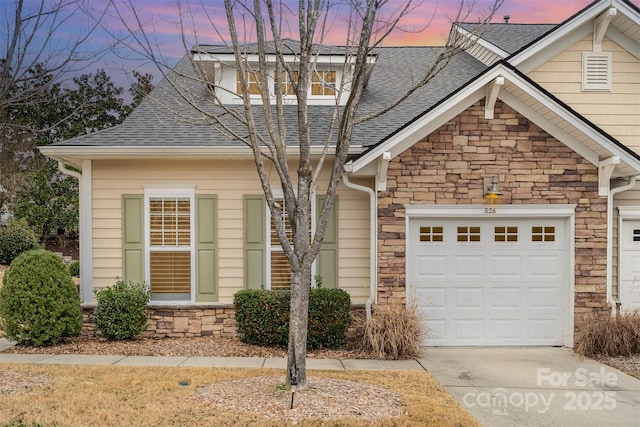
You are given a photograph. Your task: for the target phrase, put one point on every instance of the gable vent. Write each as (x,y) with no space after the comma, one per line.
(596,71)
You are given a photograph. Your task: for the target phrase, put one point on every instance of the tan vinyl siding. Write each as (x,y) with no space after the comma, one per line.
(617,111)
(229,180)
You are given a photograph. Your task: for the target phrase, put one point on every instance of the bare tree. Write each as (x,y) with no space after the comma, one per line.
(41,46)
(257,34)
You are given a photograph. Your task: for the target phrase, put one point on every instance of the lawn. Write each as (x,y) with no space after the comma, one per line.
(116,396)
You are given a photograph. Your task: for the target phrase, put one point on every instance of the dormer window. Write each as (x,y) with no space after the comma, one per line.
(330,79)
(253,79)
(323,83)
(287,80)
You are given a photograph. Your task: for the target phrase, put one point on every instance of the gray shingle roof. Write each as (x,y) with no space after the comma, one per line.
(153,122)
(510,37)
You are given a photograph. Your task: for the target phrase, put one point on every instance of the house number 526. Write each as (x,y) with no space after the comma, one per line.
(489,211)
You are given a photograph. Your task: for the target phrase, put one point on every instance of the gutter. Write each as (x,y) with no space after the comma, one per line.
(612,192)
(63,168)
(373,260)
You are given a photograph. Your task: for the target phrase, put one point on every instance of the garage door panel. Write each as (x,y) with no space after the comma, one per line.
(468,267)
(504,329)
(431,267)
(506,287)
(432,298)
(546,266)
(506,298)
(470,330)
(466,298)
(506,266)
(545,298)
(544,330)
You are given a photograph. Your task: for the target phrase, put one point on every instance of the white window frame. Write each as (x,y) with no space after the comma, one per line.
(279,194)
(314,99)
(151,192)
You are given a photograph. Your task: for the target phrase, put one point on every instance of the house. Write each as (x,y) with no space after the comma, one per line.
(501,198)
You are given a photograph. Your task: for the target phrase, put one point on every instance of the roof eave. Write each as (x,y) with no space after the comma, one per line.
(75,155)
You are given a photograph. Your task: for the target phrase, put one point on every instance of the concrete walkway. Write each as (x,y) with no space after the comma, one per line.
(206,362)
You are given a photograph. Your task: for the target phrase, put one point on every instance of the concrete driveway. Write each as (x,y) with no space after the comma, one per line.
(535,386)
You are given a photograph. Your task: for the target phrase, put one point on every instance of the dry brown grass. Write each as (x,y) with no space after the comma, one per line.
(610,336)
(393,332)
(117,396)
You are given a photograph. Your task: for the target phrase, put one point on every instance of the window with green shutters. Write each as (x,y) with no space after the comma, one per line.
(170,243)
(265,265)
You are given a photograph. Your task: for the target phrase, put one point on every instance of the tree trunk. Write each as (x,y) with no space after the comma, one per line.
(298,321)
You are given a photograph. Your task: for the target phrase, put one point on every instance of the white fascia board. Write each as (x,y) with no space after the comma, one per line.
(484,43)
(75,155)
(560,33)
(271,58)
(623,41)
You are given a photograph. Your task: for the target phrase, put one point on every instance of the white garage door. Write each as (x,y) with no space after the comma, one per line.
(489,281)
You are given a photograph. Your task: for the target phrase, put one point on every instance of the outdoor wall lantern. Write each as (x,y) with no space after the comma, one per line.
(491,188)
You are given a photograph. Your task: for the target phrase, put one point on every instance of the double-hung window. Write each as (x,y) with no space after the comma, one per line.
(170,244)
(279,270)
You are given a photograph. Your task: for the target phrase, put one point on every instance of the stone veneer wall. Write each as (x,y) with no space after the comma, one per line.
(180,321)
(448,167)
(198,321)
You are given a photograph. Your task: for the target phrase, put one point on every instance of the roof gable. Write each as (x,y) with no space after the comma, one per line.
(623,27)
(523,95)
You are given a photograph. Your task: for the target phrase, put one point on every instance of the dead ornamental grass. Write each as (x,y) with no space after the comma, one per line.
(610,336)
(116,396)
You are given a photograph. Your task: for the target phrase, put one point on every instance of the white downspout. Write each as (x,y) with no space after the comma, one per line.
(84,202)
(612,192)
(373,258)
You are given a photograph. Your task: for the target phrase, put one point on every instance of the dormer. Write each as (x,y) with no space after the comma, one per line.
(332,71)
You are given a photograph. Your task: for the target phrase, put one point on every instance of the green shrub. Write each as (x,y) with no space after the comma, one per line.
(74,268)
(15,238)
(262,317)
(39,303)
(610,336)
(121,310)
(329,314)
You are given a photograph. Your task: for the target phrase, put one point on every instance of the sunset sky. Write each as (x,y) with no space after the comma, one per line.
(161,19)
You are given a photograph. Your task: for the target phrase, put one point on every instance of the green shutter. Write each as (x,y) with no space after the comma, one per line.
(327,260)
(133,237)
(206,248)
(254,241)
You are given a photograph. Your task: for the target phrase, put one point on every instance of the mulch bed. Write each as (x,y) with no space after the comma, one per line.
(214,346)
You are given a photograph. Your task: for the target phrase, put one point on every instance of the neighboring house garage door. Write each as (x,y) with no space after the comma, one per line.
(497,281)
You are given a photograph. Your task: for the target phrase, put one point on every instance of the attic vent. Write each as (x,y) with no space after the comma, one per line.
(596,71)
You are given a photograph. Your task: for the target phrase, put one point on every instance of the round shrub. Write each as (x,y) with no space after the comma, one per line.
(121,310)
(39,303)
(15,238)
(74,269)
